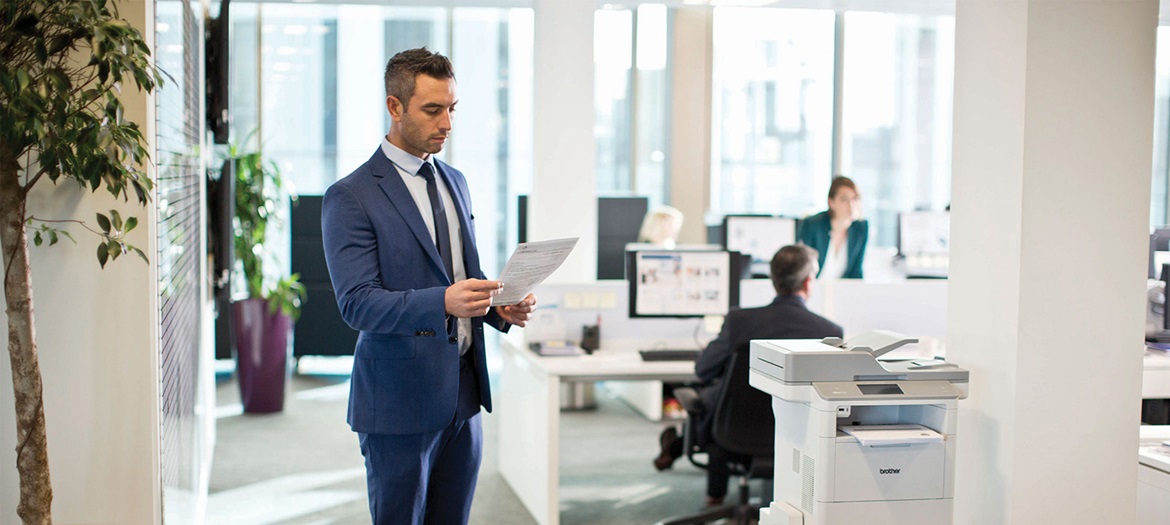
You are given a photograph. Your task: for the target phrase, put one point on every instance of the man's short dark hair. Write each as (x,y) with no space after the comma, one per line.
(791,266)
(402,69)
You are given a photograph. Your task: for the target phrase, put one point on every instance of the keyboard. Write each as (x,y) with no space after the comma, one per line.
(665,354)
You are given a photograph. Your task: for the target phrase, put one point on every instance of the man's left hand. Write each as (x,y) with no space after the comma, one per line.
(519,313)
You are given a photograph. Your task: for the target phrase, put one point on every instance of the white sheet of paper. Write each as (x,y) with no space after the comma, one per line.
(530,264)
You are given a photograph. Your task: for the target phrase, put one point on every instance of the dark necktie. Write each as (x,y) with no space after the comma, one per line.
(442,229)
(442,232)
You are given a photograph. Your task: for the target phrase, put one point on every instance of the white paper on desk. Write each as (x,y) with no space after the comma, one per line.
(530,264)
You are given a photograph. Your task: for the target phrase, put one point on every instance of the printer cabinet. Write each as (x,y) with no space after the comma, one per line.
(833,479)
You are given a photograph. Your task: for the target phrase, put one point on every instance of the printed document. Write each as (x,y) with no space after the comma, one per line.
(530,265)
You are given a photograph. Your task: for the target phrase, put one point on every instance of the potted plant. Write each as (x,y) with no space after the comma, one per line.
(263,320)
(63,64)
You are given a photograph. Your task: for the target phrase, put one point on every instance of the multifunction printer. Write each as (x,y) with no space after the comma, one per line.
(858,439)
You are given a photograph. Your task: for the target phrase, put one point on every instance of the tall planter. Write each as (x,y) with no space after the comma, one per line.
(262,354)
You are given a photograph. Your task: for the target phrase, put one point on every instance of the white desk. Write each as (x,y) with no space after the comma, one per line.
(529,410)
(1156,375)
(1153,490)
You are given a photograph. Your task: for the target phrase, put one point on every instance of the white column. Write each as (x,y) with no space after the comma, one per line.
(1052,138)
(690,116)
(563,202)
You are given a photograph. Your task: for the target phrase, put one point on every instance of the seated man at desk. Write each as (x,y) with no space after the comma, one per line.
(792,269)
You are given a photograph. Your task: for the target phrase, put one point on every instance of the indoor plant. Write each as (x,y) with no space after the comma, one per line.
(63,66)
(263,320)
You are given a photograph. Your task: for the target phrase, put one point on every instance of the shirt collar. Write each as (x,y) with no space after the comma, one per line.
(405,161)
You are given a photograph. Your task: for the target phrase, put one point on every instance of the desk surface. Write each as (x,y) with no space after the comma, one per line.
(614,363)
(1151,452)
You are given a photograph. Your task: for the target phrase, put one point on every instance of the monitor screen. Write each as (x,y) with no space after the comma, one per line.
(678,283)
(1159,246)
(924,233)
(758,236)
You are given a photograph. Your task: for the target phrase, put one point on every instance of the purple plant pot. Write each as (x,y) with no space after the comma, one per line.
(261,354)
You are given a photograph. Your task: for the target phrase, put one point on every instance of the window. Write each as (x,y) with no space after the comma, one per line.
(321,82)
(773,136)
(896,115)
(632,101)
(1158,194)
(773,110)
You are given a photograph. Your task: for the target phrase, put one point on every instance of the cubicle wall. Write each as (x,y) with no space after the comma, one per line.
(913,308)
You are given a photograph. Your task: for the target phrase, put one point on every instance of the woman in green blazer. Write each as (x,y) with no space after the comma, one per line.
(839,235)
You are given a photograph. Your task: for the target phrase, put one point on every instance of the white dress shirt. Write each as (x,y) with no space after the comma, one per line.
(408,166)
(836,260)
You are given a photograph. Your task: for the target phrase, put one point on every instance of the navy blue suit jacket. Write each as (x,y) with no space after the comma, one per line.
(390,285)
(785,318)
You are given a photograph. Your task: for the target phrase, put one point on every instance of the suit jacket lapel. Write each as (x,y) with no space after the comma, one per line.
(392,185)
(470,253)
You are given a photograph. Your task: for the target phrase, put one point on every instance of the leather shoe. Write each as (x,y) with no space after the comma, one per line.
(666,456)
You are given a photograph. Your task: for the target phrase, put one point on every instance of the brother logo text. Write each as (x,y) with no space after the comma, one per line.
(889,470)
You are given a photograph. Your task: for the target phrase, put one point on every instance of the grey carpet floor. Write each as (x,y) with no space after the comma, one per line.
(302,466)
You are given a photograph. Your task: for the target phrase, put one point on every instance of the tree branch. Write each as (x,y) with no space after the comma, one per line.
(95,232)
(28,186)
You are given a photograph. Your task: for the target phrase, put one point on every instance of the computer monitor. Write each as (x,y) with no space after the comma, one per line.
(924,233)
(924,242)
(682,283)
(758,236)
(1159,250)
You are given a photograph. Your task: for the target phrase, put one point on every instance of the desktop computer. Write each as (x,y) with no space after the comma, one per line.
(758,237)
(924,240)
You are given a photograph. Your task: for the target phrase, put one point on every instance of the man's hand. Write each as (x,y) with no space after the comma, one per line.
(471,297)
(519,313)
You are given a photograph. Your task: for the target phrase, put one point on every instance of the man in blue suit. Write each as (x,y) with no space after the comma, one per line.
(400,244)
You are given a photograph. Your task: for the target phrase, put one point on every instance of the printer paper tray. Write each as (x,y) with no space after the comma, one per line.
(879,435)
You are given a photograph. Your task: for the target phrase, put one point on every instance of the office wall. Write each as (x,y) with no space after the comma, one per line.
(690,117)
(97,341)
(1052,141)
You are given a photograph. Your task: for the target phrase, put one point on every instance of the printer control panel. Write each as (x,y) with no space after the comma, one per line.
(858,390)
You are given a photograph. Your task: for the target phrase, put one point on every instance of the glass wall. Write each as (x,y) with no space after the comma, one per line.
(773,136)
(896,114)
(632,101)
(772,118)
(1158,196)
(319,73)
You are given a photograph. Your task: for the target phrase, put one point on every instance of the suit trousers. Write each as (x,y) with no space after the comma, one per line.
(427,478)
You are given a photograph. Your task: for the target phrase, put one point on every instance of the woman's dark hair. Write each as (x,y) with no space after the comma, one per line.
(841,181)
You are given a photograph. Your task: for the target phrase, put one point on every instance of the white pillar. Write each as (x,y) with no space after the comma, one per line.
(1053,115)
(690,117)
(563,202)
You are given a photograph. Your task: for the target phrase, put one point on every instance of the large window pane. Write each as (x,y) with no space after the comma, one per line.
(1161,129)
(652,114)
(321,82)
(612,56)
(772,116)
(896,114)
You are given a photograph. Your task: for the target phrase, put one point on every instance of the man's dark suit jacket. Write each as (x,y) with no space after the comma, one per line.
(785,318)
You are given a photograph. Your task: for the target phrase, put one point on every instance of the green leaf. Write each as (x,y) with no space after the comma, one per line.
(131,222)
(140,254)
(65,233)
(102,254)
(52,237)
(103,223)
(114,249)
(117,219)
(37,238)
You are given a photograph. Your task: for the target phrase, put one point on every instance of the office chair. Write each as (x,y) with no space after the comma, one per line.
(743,425)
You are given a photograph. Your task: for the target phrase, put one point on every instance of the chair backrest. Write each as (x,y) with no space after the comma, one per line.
(744,423)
